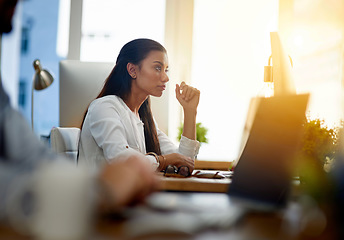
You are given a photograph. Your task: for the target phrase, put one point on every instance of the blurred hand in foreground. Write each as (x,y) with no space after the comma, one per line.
(126,182)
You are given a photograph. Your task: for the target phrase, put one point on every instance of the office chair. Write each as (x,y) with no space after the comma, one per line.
(65,140)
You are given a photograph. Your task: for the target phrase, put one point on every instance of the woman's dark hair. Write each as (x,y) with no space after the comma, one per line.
(119,83)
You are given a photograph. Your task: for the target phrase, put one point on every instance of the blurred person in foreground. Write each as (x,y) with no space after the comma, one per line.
(21,153)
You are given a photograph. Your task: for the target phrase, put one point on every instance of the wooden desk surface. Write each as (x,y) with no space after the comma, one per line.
(194,184)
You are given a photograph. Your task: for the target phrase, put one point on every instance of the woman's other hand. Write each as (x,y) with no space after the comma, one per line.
(187,96)
(177,160)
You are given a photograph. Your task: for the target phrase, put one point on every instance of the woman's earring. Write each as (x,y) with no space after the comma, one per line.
(133,76)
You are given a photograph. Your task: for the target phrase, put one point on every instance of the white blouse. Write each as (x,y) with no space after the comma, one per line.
(111,129)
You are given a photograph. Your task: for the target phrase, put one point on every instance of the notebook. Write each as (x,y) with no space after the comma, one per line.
(261,180)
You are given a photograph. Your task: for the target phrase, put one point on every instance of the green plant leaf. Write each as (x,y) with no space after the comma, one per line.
(201,133)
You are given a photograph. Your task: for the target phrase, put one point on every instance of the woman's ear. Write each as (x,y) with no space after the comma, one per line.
(131,68)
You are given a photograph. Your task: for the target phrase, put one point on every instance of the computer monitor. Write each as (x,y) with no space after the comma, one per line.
(283,84)
(80,83)
(281,67)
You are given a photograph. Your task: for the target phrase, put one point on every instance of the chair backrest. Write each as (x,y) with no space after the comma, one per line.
(65,140)
(80,83)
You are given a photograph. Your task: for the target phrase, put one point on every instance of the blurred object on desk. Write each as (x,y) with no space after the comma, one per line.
(202,174)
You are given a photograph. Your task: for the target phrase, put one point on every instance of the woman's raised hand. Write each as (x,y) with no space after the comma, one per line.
(187,96)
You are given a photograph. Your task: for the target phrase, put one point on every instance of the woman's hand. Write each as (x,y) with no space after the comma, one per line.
(187,96)
(177,160)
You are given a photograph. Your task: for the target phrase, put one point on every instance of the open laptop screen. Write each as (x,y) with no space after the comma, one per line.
(264,168)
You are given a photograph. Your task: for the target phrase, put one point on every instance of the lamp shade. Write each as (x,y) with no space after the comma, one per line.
(42,78)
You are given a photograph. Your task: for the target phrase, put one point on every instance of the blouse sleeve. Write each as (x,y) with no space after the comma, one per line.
(109,131)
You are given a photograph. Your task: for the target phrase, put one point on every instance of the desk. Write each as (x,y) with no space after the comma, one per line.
(194,184)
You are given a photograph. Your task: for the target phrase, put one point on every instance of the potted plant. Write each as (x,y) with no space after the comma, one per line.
(201,133)
(318,149)
(319,141)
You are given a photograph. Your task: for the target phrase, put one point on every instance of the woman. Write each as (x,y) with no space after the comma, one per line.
(120,121)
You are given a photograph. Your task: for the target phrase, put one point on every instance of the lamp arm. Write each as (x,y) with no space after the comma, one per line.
(32,109)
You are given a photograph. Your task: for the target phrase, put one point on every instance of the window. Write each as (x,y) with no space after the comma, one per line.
(22,94)
(25,35)
(25,40)
(108,24)
(231,45)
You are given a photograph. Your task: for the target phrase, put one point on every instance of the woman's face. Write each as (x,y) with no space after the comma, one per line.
(151,75)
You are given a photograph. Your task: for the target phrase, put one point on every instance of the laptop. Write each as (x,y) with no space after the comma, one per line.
(264,170)
(261,180)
